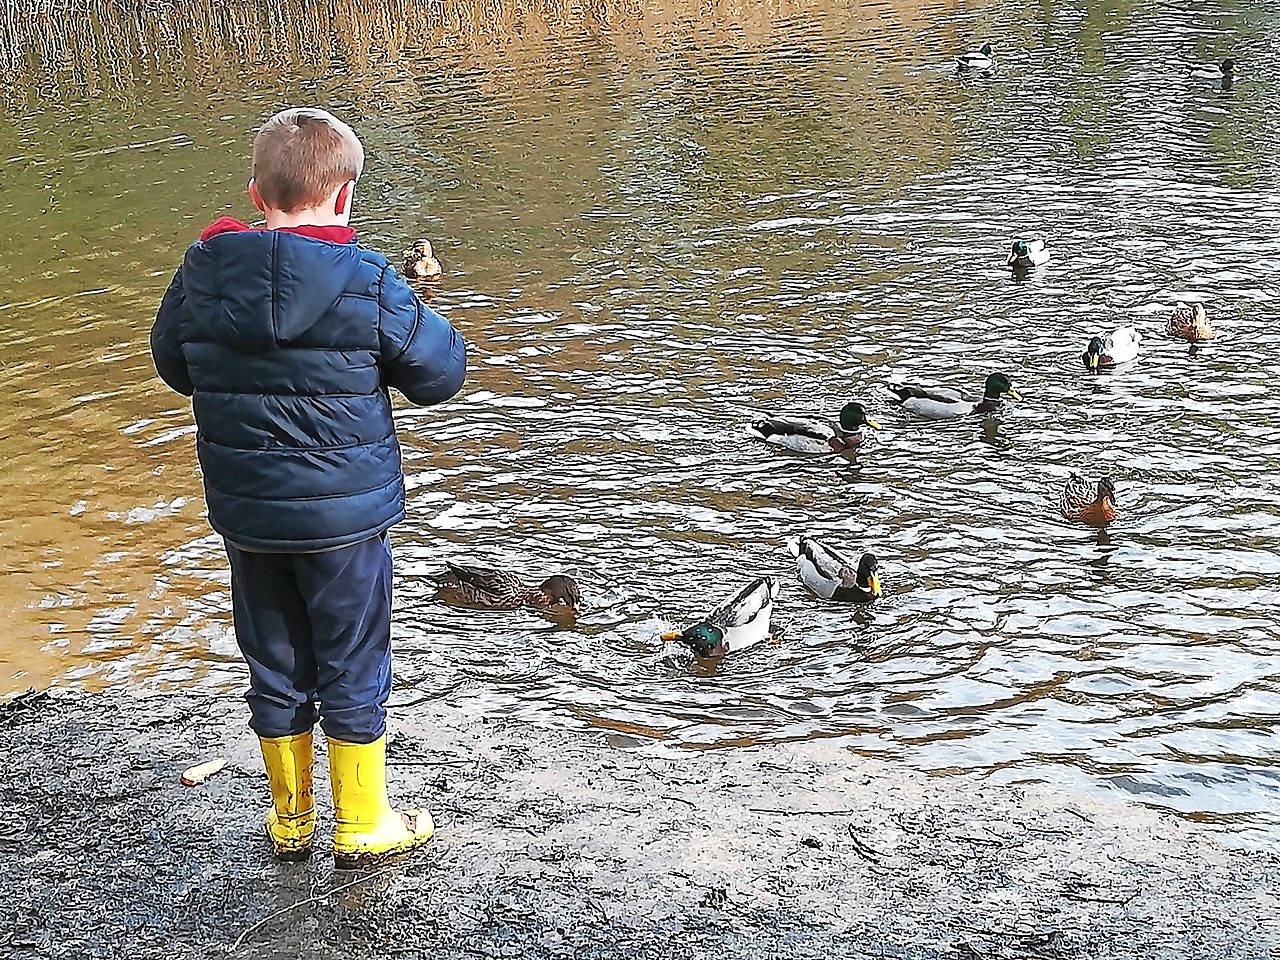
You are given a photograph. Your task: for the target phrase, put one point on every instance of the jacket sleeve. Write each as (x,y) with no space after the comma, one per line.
(166,345)
(422,355)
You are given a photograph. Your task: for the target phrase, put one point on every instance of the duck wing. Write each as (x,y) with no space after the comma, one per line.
(1077,495)
(496,584)
(823,570)
(805,436)
(915,391)
(744,617)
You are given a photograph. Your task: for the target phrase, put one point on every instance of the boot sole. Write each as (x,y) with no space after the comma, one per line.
(371,861)
(296,855)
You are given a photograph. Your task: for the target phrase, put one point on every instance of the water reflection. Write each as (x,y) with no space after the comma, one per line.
(659,223)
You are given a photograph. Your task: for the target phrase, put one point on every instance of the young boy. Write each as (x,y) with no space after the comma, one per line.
(287,338)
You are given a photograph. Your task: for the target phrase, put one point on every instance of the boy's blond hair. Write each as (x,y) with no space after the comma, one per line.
(301,155)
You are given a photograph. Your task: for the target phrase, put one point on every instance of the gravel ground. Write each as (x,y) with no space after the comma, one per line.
(556,845)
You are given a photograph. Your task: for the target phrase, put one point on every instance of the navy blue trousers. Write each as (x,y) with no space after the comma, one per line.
(315,629)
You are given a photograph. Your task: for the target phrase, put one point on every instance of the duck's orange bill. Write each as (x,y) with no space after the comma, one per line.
(673,635)
(872,424)
(1013,393)
(875,585)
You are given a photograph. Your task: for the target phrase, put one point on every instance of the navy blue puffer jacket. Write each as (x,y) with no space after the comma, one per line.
(287,345)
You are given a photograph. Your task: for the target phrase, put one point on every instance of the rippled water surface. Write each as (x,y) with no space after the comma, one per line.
(658,224)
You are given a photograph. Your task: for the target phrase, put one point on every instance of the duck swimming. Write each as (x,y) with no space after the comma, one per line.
(976,59)
(499,590)
(741,621)
(1190,322)
(812,436)
(1025,254)
(941,403)
(1087,502)
(832,576)
(1118,346)
(1223,72)
(421,263)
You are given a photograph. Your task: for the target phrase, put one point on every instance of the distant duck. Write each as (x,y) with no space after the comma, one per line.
(498,589)
(1190,322)
(812,436)
(977,59)
(421,263)
(741,621)
(1222,73)
(1025,254)
(1088,502)
(832,576)
(1118,346)
(940,403)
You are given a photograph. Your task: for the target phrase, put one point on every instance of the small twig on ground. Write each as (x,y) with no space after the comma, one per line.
(867,853)
(989,841)
(1121,900)
(424,762)
(804,813)
(302,903)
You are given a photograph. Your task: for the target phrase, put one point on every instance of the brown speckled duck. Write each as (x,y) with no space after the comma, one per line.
(420,263)
(1189,322)
(1087,502)
(500,590)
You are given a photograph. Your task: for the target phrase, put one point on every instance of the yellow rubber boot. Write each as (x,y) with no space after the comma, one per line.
(291,824)
(366,831)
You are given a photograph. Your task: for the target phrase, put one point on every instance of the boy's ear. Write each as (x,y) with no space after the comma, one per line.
(346,194)
(256,196)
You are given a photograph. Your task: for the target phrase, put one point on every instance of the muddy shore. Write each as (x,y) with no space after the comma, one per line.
(559,845)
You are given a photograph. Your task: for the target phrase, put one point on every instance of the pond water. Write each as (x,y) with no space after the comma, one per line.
(659,224)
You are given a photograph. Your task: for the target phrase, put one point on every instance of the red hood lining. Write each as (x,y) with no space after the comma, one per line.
(330,233)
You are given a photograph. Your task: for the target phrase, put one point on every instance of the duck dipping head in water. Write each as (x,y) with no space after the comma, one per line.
(562,594)
(706,640)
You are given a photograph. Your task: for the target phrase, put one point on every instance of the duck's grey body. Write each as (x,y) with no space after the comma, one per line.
(833,576)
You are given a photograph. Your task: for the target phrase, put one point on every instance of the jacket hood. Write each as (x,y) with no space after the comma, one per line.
(258,289)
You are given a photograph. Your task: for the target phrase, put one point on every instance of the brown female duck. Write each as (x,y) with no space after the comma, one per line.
(1087,502)
(1190,322)
(421,263)
(500,590)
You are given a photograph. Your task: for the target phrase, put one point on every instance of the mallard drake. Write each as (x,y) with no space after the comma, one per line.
(1190,322)
(741,621)
(1118,346)
(940,403)
(1223,72)
(976,59)
(1025,254)
(481,587)
(1088,502)
(832,576)
(420,263)
(813,436)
